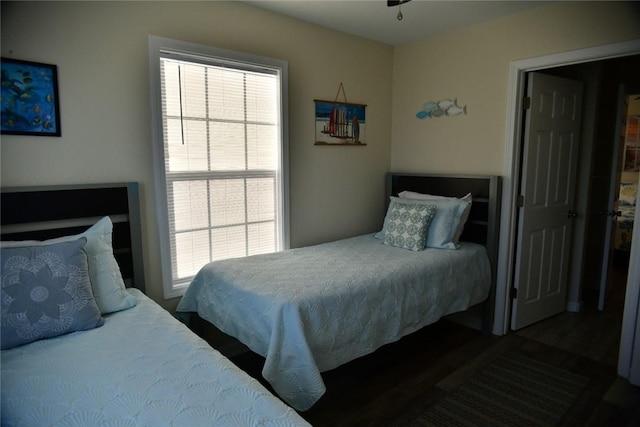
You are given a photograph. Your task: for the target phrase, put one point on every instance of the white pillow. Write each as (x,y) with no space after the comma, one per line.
(467,199)
(423,196)
(108,287)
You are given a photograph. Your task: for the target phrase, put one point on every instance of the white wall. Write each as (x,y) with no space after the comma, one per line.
(472,65)
(100,49)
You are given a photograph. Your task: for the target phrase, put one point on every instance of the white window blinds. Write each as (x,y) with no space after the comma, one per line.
(222,161)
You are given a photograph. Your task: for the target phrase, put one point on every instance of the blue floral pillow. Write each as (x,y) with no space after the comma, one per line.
(46,292)
(106,280)
(407,227)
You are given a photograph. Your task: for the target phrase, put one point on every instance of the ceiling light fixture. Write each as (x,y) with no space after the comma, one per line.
(391,3)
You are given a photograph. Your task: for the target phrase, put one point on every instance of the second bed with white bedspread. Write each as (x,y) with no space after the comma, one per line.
(309,310)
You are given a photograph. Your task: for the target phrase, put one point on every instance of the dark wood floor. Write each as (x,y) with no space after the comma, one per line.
(376,389)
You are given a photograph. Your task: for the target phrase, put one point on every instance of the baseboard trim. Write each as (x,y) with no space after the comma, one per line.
(574,306)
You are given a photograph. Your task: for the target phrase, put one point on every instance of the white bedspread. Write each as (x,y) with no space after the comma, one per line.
(312,309)
(142,368)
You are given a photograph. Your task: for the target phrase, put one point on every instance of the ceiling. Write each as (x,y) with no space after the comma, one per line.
(372,19)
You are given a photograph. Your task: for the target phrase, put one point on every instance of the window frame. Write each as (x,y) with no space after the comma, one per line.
(160,46)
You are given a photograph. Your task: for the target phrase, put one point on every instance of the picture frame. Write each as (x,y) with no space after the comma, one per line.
(340,123)
(30,102)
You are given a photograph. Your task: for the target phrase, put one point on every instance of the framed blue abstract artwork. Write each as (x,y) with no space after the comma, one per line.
(29,103)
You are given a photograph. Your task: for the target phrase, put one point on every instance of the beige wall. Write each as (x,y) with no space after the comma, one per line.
(472,65)
(101,53)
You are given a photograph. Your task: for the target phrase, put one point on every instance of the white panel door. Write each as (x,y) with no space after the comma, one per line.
(550,156)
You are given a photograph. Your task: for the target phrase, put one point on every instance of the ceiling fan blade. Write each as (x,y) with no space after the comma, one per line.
(391,3)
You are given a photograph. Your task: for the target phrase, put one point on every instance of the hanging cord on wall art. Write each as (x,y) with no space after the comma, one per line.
(180,97)
(341,88)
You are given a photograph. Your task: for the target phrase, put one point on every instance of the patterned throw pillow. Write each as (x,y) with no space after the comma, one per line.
(46,292)
(408,225)
(446,222)
(106,280)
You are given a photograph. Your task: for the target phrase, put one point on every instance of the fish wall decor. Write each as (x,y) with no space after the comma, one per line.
(446,107)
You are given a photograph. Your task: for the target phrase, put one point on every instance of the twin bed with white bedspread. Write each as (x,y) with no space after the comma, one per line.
(141,368)
(312,309)
(79,349)
(309,310)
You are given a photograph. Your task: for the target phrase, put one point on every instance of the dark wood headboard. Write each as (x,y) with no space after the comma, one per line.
(483,223)
(481,227)
(46,212)
(485,190)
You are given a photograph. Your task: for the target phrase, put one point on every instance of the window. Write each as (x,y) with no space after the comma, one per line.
(220,154)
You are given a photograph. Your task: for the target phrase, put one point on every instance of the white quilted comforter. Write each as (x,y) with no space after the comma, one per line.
(142,368)
(312,309)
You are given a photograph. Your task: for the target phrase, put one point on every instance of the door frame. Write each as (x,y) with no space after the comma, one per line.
(510,179)
(614,189)
(629,357)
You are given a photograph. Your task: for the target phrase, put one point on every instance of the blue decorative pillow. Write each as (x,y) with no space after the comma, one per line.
(444,226)
(408,224)
(106,280)
(46,292)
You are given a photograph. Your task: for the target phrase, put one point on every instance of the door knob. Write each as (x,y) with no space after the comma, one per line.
(614,214)
(572,214)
